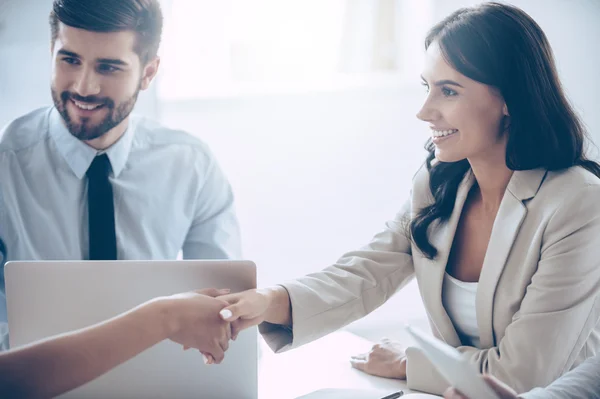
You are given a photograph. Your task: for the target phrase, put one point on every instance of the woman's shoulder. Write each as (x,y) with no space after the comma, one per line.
(571,180)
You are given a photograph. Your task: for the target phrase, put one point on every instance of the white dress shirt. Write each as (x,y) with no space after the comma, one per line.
(169,194)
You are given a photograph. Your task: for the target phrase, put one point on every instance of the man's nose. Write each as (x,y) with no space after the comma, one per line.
(87,83)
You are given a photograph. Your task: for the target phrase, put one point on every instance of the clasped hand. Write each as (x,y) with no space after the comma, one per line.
(207,319)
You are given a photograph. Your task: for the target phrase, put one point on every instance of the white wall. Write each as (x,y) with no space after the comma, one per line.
(315,174)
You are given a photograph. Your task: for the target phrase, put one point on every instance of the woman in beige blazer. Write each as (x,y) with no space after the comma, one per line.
(501,231)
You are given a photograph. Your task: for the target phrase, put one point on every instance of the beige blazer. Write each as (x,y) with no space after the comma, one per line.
(537,301)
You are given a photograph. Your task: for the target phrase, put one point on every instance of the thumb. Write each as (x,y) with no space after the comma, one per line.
(213,292)
(231,312)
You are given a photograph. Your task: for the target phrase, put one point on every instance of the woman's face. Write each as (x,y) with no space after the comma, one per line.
(466,117)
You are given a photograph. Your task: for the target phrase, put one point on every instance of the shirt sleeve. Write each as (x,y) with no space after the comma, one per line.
(214,232)
(581,382)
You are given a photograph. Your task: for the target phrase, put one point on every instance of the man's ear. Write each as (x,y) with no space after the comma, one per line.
(150,71)
(505,110)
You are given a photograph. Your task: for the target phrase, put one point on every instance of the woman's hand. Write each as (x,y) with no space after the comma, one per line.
(503,390)
(386,359)
(250,308)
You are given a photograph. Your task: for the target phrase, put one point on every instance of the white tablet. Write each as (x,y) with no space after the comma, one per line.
(457,370)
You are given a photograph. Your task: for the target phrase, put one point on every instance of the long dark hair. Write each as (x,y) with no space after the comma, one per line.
(141,16)
(502,46)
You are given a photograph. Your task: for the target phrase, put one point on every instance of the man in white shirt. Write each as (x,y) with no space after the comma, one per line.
(84,179)
(581,382)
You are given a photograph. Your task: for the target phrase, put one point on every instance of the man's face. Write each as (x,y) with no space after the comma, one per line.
(96,79)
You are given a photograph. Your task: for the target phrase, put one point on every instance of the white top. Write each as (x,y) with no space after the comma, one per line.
(459,299)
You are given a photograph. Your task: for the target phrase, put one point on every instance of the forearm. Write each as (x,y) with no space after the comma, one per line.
(280,308)
(62,363)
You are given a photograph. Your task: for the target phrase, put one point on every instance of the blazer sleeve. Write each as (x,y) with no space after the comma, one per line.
(559,311)
(358,283)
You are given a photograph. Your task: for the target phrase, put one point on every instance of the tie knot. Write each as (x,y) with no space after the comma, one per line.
(100,166)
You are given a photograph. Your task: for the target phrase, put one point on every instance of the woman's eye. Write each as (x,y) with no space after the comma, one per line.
(426,86)
(448,92)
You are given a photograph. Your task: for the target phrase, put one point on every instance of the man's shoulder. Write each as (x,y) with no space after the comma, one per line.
(152,134)
(25,131)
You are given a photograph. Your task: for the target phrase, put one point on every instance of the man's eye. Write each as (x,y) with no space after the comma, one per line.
(107,68)
(71,60)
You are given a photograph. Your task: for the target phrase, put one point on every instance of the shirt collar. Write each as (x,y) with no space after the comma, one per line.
(79,156)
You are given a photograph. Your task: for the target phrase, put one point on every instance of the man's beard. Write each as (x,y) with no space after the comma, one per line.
(84,130)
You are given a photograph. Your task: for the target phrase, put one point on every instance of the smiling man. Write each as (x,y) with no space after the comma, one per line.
(86,180)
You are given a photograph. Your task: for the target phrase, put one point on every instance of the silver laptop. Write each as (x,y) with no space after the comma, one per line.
(48,298)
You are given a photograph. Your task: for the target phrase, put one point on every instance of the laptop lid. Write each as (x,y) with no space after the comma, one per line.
(46,298)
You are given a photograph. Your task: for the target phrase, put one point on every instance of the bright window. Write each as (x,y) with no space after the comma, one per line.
(230,47)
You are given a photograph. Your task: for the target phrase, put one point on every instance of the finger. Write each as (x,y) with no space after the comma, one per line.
(360,356)
(228,331)
(228,315)
(218,354)
(208,359)
(224,343)
(213,292)
(231,298)
(359,364)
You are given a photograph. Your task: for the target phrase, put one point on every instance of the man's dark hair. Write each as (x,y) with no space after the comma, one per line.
(141,16)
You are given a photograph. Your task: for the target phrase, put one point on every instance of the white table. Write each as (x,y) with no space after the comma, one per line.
(324,363)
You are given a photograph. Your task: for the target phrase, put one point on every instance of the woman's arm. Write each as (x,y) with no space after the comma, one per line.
(59,364)
(312,306)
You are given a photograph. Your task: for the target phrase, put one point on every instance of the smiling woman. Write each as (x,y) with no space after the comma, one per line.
(501,230)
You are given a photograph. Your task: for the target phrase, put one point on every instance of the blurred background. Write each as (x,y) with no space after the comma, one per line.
(309,106)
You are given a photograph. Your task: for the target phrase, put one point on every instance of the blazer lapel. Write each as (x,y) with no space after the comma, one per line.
(522,186)
(442,239)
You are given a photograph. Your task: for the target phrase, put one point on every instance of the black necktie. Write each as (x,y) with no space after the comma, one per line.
(101,211)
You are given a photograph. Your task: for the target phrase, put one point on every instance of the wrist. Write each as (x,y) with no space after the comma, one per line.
(278,305)
(163,315)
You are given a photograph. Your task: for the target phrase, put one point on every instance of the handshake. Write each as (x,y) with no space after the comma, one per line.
(208,319)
